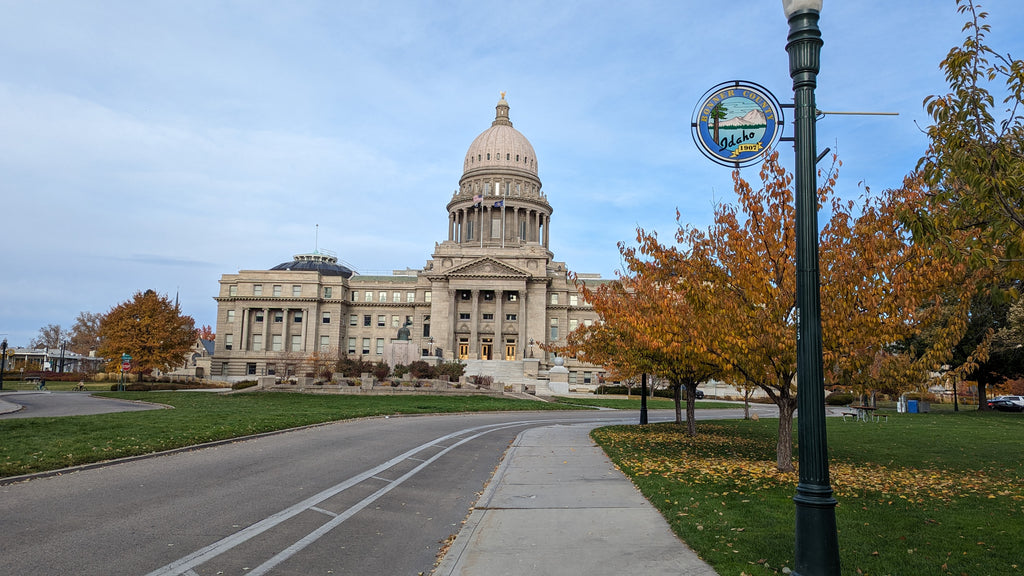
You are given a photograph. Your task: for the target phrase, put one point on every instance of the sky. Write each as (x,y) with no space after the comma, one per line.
(161,144)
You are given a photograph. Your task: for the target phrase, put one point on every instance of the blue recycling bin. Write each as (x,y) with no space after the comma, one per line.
(912,406)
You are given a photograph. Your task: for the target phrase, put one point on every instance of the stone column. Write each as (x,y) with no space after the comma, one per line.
(499,322)
(243,337)
(453,318)
(474,323)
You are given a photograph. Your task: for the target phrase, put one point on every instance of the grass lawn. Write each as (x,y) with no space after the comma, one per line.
(938,493)
(39,444)
(633,403)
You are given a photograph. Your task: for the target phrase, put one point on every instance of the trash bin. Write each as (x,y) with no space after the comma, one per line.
(912,406)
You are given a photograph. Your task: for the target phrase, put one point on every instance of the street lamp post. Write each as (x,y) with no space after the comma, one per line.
(817,543)
(3,361)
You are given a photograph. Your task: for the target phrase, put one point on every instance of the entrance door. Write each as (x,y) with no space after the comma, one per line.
(463,348)
(510,350)
(485,349)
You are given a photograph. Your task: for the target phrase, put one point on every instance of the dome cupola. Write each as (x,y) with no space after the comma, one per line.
(500,147)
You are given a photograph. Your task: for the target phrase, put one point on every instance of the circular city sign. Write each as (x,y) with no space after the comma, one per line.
(736,123)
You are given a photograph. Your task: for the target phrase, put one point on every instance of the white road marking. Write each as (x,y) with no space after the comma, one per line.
(183,566)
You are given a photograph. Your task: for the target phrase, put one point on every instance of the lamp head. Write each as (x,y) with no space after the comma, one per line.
(791,7)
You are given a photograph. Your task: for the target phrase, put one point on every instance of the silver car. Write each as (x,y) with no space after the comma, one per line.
(1007,403)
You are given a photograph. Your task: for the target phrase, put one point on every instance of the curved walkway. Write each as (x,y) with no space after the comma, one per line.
(46,404)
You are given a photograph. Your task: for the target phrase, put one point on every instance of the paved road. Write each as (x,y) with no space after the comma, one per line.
(374,496)
(44,404)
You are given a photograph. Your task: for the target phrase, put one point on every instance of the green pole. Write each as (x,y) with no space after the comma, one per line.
(817,543)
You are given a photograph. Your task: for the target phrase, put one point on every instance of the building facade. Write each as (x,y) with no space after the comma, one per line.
(491,292)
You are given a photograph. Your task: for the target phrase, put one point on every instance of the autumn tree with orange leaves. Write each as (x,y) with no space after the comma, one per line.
(646,327)
(738,281)
(150,328)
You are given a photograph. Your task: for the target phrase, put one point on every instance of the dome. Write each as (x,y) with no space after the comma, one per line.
(501,146)
(316,262)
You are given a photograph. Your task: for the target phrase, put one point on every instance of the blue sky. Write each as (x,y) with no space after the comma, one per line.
(163,144)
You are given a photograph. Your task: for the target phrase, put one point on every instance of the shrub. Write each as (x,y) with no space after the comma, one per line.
(453,370)
(400,370)
(243,385)
(381,370)
(420,369)
(839,399)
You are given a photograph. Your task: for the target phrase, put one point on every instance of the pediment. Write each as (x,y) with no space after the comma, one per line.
(487,267)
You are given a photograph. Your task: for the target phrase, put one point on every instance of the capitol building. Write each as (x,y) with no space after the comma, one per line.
(491,294)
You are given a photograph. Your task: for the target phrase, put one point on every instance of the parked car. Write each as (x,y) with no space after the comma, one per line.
(1007,403)
(699,395)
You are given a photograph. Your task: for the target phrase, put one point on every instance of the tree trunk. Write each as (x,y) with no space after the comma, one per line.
(691,403)
(677,400)
(746,403)
(784,445)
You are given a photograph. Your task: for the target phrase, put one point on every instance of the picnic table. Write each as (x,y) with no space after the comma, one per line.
(862,413)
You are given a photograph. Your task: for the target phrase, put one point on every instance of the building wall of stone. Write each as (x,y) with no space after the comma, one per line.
(492,281)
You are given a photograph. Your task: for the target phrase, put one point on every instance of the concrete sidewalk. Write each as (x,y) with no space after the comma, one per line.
(557,506)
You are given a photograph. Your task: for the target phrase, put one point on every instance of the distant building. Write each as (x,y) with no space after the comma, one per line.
(49,360)
(490,295)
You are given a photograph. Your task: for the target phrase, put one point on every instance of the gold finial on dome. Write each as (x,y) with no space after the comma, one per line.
(501,117)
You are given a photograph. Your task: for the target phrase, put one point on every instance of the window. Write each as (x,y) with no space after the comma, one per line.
(522,230)
(574,299)
(326,319)
(233,290)
(229,341)
(496,225)
(489,317)
(275,342)
(352,345)
(296,290)
(465,294)
(426,329)
(382,296)
(396,296)
(588,322)
(587,377)
(257,342)
(259,316)
(367,321)
(366,346)
(488,295)
(296,343)
(380,346)
(463,315)
(271,369)
(572,377)
(327,291)
(382,320)
(510,317)
(298,316)
(278,317)
(426,296)
(231,315)
(554,298)
(513,296)
(355,296)
(325,343)
(250,368)
(353,320)
(257,290)
(554,329)
(469,230)
(394,322)
(223,368)
(277,290)
(573,323)
(410,296)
